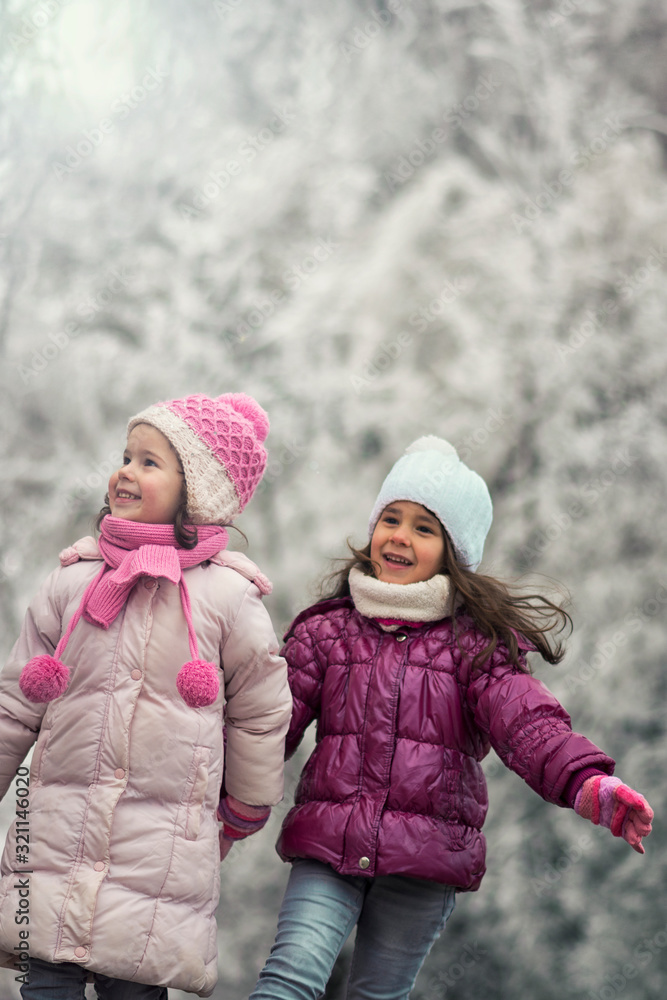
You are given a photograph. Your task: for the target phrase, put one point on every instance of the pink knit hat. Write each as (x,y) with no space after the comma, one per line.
(219,443)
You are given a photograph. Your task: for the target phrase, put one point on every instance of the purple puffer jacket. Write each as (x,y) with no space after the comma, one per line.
(394,785)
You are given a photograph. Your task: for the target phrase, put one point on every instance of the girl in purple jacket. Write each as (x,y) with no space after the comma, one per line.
(414,669)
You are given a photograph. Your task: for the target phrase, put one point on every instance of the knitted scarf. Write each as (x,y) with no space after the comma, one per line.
(396,604)
(130,551)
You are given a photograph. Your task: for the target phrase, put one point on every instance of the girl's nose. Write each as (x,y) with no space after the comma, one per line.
(125,472)
(400,535)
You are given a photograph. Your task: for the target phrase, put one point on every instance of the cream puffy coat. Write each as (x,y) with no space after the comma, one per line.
(123,870)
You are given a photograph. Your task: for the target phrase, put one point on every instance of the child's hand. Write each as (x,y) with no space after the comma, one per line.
(635,815)
(239,820)
(225,845)
(608,802)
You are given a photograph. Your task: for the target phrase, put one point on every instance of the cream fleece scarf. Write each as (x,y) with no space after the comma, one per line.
(426,601)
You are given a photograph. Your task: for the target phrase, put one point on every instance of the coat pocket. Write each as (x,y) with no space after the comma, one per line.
(38,756)
(196,791)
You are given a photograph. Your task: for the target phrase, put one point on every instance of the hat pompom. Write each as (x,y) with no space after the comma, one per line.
(432,443)
(198,683)
(44,678)
(251,410)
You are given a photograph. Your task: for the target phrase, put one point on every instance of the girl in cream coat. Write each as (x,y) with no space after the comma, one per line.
(112,867)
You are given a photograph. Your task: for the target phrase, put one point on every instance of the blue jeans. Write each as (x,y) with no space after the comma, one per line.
(67,981)
(397,918)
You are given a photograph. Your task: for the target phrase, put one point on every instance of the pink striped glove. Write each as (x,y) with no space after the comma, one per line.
(239,820)
(608,802)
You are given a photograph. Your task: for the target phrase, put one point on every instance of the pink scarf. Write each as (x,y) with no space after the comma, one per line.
(131,550)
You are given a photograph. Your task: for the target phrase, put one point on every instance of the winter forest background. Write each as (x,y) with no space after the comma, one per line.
(383,219)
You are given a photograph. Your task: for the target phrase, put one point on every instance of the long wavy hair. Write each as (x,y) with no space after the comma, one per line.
(498,609)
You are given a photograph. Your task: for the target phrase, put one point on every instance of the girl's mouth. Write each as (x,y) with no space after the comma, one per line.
(399,562)
(124,495)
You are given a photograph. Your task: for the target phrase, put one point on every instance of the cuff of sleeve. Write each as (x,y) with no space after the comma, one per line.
(230,833)
(573,786)
(240,820)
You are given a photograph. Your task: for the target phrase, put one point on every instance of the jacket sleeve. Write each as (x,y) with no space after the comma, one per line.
(306,673)
(530,730)
(20,719)
(258,706)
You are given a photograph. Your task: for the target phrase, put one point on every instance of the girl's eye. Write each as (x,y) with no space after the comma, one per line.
(426,529)
(149,461)
(126,460)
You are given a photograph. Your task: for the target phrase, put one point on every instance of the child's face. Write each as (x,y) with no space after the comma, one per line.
(407,543)
(148,487)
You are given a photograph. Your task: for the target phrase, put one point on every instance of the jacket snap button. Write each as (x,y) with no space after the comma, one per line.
(364,862)
(119,773)
(150,583)
(136,675)
(80,952)
(99,866)
(400,637)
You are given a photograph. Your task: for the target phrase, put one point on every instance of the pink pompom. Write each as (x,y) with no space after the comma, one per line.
(44,678)
(198,683)
(251,410)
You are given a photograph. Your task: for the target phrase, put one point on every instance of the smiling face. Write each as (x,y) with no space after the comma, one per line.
(407,544)
(149,486)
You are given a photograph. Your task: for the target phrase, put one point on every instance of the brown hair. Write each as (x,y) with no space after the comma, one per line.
(498,609)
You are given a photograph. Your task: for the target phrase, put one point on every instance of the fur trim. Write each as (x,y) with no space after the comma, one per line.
(426,601)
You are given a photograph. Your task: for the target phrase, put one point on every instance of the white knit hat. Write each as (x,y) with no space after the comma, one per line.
(432,474)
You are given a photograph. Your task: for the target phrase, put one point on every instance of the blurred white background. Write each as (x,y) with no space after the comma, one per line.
(382,220)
